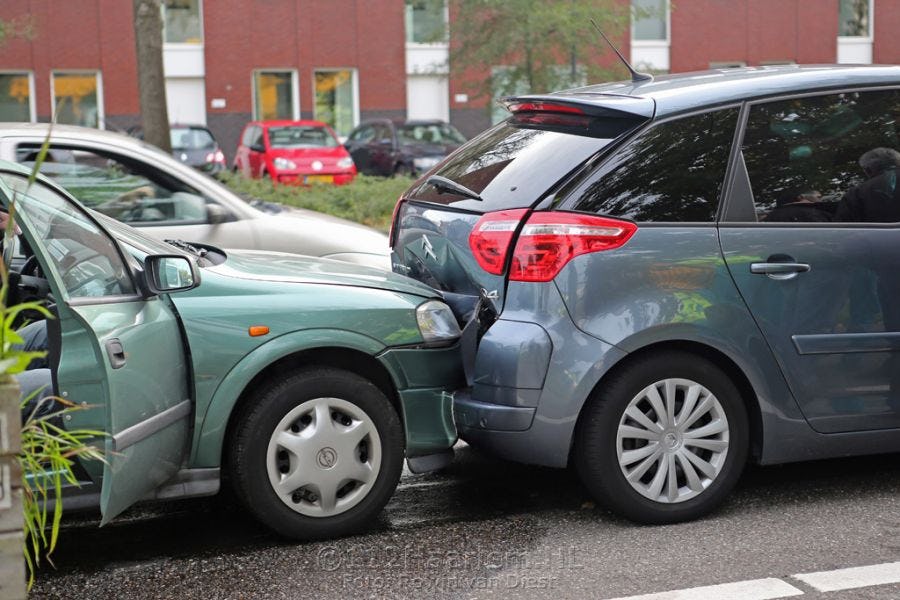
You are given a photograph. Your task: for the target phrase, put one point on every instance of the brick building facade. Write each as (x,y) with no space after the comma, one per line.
(342,61)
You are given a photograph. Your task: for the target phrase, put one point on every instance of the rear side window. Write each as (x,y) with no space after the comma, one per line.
(672,172)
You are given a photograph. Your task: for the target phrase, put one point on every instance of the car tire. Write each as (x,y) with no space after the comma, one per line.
(295,462)
(649,467)
(403,170)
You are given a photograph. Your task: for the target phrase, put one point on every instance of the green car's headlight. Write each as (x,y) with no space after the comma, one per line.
(436,322)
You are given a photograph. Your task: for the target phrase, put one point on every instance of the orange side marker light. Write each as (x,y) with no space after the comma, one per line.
(257,330)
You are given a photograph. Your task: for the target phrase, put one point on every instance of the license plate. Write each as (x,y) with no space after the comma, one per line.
(319,179)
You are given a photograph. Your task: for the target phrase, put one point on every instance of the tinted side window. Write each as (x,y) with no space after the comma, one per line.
(825,158)
(672,172)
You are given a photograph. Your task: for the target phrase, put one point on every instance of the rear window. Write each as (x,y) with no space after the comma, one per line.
(672,172)
(192,138)
(511,166)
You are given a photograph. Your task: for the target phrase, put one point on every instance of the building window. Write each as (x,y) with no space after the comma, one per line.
(77,98)
(182,22)
(275,95)
(16,97)
(336,100)
(426,22)
(650,21)
(855,18)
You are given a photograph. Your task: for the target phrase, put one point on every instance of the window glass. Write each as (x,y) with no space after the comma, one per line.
(822,158)
(672,172)
(363,134)
(650,19)
(274,95)
(335,100)
(124,189)
(512,167)
(84,259)
(191,138)
(182,22)
(75,99)
(15,97)
(854,18)
(429,133)
(425,22)
(301,137)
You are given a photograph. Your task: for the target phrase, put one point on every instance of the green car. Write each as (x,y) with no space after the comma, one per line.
(304,382)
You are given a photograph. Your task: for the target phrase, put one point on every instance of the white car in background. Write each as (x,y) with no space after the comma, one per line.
(141,185)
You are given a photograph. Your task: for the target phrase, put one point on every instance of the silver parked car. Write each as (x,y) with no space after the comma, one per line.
(140,185)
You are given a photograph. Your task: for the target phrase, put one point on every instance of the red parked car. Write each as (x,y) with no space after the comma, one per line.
(301,152)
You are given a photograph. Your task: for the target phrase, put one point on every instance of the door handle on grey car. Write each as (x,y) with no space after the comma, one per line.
(779,270)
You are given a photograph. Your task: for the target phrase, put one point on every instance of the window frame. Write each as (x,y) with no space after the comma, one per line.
(354,82)
(733,209)
(657,43)
(870,37)
(295,91)
(98,78)
(435,45)
(608,152)
(32,101)
(185,44)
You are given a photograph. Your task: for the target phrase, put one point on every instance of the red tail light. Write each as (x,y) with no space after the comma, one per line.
(491,236)
(549,240)
(540,106)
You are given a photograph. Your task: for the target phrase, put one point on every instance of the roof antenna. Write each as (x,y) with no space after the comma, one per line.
(635,76)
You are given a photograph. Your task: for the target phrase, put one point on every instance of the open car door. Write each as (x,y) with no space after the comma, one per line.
(121,354)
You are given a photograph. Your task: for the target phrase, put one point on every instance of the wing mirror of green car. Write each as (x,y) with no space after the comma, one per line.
(167,273)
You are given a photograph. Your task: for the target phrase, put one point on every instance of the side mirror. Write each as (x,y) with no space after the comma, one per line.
(386,142)
(170,273)
(216,213)
(258,148)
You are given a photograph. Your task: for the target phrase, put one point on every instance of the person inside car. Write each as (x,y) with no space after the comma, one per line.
(876,200)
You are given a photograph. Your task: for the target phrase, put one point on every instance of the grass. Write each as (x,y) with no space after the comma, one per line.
(367,200)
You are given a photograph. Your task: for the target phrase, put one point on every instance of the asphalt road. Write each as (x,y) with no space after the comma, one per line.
(485,528)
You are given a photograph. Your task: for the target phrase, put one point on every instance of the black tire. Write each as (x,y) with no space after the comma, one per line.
(595,450)
(403,170)
(256,424)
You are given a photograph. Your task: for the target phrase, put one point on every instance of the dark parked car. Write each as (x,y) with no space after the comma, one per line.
(385,147)
(194,145)
(645,310)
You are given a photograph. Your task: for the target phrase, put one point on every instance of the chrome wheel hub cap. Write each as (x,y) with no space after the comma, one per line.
(672,440)
(323,457)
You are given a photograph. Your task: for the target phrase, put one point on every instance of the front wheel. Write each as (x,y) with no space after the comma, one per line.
(664,440)
(317,454)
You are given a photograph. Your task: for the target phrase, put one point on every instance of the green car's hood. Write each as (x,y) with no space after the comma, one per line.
(293,268)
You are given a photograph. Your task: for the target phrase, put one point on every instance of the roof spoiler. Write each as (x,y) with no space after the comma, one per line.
(592,105)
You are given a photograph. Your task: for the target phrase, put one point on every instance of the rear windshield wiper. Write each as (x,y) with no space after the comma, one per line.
(442,184)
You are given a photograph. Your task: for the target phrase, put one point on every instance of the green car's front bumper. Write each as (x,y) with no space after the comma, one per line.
(425,380)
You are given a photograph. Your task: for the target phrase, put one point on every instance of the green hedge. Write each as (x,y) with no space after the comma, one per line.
(368,200)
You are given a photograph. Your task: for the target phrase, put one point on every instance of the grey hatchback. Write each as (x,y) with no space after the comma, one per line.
(669,278)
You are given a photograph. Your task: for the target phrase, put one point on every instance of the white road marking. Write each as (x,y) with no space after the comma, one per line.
(757,589)
(854,577)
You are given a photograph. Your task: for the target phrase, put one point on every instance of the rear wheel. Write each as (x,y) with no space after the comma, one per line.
(317,454)
(664,440)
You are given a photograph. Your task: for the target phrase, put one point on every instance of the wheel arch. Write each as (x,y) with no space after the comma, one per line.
(338,349)
(715,356)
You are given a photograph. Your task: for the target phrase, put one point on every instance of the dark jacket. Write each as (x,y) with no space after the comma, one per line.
(876,200)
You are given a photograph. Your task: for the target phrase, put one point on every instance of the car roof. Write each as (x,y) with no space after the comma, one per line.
(670,94)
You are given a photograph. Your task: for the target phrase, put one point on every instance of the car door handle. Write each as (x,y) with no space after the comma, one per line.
(116,353)
(779,270)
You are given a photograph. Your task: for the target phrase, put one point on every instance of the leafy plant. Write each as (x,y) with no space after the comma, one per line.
(367,200)
(48,451)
